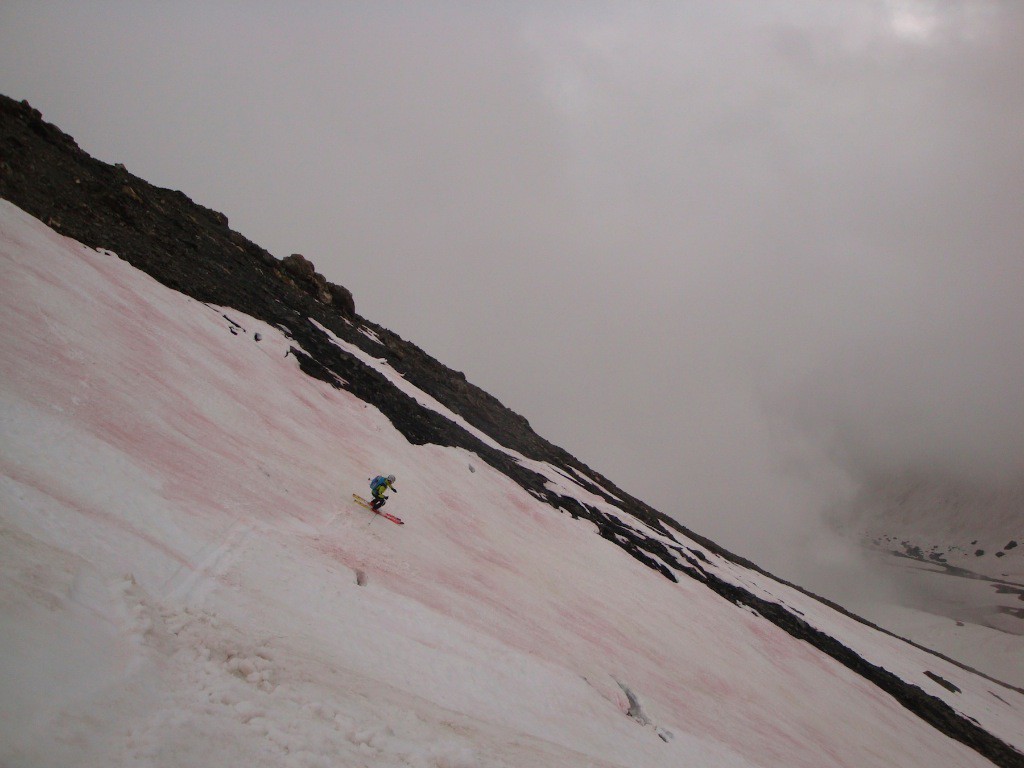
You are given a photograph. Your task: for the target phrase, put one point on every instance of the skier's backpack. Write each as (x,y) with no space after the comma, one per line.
(377,482)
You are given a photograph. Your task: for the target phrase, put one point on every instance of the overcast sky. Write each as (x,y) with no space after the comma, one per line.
(738,256)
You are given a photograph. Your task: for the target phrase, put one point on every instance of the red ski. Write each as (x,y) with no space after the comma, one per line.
(364,503)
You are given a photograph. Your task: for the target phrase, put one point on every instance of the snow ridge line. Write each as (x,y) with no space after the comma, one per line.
(929,708)
(652,549)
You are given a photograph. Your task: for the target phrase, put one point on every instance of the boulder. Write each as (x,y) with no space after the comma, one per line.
(342,299)
(304,274)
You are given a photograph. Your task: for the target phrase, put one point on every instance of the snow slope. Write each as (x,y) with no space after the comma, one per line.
(185,581)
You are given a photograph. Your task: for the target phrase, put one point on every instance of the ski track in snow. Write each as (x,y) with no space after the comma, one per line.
(185,580)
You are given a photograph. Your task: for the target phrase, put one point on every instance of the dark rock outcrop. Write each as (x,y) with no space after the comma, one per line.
(341,298)
(304,275)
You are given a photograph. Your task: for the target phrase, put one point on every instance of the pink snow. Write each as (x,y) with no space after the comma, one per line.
(186,581)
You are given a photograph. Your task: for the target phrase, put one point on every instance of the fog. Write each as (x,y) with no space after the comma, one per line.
(737,256)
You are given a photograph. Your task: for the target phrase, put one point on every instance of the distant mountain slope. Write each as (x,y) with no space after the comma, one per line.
(978,528)
(955,554)
(191,249)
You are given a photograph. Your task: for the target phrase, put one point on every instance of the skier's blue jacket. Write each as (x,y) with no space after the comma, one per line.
(379,485)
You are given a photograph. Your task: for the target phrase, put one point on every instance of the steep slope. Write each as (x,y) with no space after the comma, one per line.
(152,434)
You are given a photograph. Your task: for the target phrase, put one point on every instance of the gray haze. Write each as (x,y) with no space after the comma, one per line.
(738,256)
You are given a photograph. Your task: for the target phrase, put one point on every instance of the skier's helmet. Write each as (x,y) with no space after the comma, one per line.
(391,478)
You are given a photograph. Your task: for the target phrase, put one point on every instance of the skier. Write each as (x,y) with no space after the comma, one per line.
(378,486)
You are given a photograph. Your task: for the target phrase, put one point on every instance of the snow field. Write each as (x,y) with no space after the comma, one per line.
(181,569)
